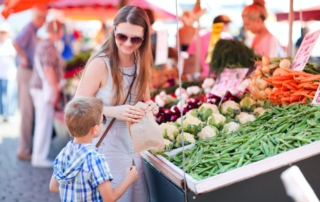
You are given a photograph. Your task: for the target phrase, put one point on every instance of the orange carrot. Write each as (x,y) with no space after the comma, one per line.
(311,78)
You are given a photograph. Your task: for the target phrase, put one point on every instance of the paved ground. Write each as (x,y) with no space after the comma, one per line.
(19,181)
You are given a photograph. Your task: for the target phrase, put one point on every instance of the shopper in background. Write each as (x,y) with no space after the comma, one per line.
(304,31)
(124,60)
(187,31)
(263,43)
(25,44)
(8,71)
(204,42)
(45,91)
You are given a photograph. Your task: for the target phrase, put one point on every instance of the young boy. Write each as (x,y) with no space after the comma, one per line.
(80,172)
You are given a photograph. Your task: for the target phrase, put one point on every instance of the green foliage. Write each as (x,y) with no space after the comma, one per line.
(231,54)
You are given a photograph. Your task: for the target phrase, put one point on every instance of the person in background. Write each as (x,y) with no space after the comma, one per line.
(89,178)
(8,71)
(25,44)
(45,90)
(304,31)
(263,43)
(124,60)
(187,31)
(153,33)
(204,42)
(67,38)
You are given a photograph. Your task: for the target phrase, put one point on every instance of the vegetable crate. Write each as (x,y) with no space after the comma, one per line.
(259,181)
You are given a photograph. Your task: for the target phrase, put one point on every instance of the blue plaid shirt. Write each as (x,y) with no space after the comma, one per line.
(80,169)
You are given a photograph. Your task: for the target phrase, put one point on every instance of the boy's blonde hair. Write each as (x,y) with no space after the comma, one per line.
(81,114)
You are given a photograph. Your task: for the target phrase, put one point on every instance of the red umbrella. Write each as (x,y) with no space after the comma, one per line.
(312,13)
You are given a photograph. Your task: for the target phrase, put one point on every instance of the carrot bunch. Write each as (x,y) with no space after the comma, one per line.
(293,86)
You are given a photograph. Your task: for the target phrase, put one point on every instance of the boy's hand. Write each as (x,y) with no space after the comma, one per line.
(132,174)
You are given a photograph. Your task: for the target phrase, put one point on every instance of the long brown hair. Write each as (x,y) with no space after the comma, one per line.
(136,16)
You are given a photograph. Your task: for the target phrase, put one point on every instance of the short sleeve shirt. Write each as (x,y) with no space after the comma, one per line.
(49,56)
(79,181)
(27,40)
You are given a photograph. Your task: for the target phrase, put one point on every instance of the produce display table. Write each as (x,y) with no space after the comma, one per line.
(259,181)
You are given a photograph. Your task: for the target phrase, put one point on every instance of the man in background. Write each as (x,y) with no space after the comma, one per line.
(25,44)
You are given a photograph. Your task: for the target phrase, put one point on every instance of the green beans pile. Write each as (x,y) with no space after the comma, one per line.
(275,132)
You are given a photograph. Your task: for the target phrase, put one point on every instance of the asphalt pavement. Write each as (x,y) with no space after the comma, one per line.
(19,181)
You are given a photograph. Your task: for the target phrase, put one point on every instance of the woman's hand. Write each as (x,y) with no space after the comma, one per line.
(129,113)
(152,107)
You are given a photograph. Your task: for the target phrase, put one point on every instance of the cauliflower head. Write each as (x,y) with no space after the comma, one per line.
(230,127)
(189,119)
(207,110)
(230,108)
(188,138)
(260,111)
(247,104)
(217,120)
(208,132)
(193,112)
(244,117)
(169,131)
(168,145)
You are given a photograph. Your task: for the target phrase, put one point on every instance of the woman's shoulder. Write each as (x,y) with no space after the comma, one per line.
(45,45)
(97,66)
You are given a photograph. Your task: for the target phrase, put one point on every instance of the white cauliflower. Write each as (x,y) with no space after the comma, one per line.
(168,145)
(208,83)
(169,130)
(208,132)
(207,110)
(230,127)
(247,104)
(244,117)
(217,120)
(193,90)
(193,112)
(260,111)
(213,107)
(189,119)
(189,138)
(230,108)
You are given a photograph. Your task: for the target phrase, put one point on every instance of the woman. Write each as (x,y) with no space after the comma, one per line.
(253,16)
(45,90)
(108,75)
(8,71)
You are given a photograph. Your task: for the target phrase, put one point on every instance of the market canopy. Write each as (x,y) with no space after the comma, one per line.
(93,8)
(308,14)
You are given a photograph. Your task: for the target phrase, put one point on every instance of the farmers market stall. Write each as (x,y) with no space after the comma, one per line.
(238,143)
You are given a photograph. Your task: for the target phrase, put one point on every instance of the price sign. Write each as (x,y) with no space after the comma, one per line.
(316,98)
(304,52)
(229,79)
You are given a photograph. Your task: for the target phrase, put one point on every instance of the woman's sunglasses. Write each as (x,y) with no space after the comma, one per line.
(123,38)
(104,120)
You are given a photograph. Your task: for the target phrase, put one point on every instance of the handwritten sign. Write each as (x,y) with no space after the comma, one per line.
(316,98)
(162,47)
(304,52)
(229,79)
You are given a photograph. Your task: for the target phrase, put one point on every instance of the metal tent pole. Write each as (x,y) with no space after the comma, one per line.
(290,17)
